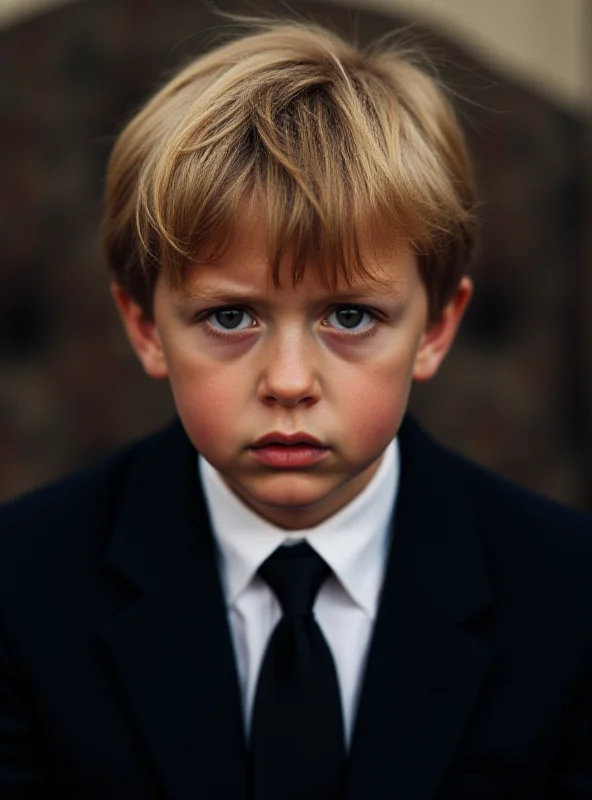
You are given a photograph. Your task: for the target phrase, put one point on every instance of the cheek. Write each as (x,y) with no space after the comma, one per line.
(206,402)
(376,406)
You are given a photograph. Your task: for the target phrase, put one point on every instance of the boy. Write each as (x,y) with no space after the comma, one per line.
(293,592)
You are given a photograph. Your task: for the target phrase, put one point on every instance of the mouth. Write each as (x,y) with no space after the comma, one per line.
(288,446)
(299,454)
(281,440)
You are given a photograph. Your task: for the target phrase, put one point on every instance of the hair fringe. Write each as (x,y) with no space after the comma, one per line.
(330,140)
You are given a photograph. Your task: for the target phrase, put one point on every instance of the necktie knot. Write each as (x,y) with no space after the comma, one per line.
(295,573)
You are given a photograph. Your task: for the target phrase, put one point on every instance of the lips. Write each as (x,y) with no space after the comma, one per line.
(296,451)
(288,440)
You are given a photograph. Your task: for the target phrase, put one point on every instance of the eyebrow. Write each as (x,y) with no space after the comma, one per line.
(215,293)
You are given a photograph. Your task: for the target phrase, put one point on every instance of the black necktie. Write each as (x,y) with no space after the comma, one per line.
(297,742)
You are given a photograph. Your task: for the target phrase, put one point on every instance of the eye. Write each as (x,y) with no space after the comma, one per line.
(228,322)
(350,317)
(229,319)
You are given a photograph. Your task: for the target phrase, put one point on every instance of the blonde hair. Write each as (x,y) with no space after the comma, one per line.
(329,137)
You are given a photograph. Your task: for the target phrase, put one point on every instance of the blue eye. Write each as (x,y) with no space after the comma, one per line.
(230,318)
(350,316)
(226,322)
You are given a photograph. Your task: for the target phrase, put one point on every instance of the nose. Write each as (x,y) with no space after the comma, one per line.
(290,372)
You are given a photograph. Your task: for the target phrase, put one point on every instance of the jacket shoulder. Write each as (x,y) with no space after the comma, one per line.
(84,500)
(503,502)
(491,495)
(517,526)
(529,539)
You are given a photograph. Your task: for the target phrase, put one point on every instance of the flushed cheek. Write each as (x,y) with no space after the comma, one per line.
(374,414)
(208,413)
(376,422)
(205,426)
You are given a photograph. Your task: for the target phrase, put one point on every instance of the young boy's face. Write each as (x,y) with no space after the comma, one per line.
(245,360)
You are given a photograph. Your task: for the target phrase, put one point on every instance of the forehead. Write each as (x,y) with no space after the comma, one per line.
(240,262)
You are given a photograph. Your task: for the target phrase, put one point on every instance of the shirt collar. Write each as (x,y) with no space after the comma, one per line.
(354,541)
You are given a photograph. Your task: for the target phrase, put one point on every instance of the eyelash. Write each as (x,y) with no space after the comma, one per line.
(370,330)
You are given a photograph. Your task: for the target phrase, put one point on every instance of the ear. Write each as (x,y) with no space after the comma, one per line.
(142,333)
(439,335)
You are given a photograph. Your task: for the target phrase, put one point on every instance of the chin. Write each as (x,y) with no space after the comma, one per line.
(287,496)
(290,500)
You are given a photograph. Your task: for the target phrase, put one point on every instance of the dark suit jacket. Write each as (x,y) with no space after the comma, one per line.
(117,676)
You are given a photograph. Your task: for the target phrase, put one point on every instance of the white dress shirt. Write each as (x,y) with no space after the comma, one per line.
(354,542)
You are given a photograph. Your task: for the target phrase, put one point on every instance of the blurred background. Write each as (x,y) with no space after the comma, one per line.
(515,393)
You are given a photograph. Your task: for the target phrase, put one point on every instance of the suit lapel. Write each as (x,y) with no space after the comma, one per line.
(172,653)
(171,648)
(428,659)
